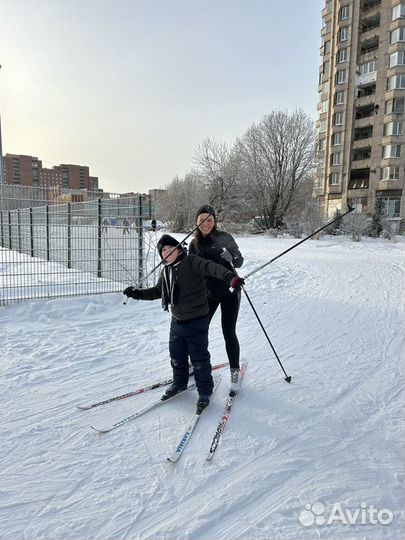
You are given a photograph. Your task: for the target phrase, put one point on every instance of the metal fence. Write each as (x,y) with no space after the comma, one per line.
(50,249)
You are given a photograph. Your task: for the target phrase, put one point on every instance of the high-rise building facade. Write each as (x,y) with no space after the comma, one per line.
(361,123)
(28,171)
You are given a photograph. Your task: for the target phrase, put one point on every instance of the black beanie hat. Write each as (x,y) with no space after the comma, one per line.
(167,240)
(205,209)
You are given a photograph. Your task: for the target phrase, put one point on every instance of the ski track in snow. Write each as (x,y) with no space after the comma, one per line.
(334,311)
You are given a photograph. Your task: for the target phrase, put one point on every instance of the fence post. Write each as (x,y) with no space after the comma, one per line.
(10,244)
(140,240)
(2,231)
(99,234)
(47,232)
(31,232)
(19,229)
(69,235)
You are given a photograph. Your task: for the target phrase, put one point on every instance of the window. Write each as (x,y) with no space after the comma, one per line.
(341,56)
(392,206)
(326,47)
(396,105)
(335,158)
(325,69)
(338,119)
(393,128)
(396,81)
(336,139)
(368,67)
(344,13)
(328,6)
(344,34)
(398,12)
(391,151)
(397,59)
(324,106)
(334,179)
(321,145)
(325,87)
(328,27)
(390,173)
(339,98)
(341,76)
(322,126)
(398,35)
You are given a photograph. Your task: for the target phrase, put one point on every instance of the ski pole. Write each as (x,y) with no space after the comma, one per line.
(287,377)
(351,208)
(168,255)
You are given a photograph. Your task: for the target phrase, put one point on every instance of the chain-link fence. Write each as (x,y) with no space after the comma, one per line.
(51,249)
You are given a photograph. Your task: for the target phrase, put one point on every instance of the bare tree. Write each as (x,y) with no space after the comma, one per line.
(183,196)
(276,157)
(217,166)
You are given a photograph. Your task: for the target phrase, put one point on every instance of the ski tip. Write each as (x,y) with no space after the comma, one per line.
(288,379)
(83,407)
(99,430)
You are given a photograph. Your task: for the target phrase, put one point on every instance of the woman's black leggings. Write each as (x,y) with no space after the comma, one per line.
(229,315)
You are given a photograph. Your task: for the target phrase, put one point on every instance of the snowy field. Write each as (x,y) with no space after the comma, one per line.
(322,457)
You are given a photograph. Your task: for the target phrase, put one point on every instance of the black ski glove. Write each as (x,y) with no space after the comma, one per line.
(236,283)
(131,292)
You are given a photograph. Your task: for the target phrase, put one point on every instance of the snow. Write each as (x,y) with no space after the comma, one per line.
(334,311)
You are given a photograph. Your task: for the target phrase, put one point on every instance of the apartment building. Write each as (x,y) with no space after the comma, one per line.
(361,122)
(28,171)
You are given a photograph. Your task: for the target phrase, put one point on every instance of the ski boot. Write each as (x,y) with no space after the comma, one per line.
(202,403)
(235,382)
(171,391)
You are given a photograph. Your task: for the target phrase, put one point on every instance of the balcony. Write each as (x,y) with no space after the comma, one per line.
(370,42)
(367,80)
(365,102)
(368,6)
(361,163)
(362,133)
(358,144)
(366,111)
(389,185)
(335,189)
(370,22)
(359,179)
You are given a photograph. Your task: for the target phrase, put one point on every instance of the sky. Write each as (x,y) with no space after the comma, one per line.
(132,87)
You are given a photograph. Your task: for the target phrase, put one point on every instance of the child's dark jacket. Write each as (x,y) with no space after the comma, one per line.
(189,287)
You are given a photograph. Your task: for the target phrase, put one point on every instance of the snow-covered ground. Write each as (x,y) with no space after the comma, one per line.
(335,313)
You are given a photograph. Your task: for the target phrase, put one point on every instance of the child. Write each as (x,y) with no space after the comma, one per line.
(182,286)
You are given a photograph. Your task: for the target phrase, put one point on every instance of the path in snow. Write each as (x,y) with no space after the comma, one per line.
(335,313)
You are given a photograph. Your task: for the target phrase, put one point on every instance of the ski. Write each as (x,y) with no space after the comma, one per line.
(138,413)
(224,418)
(178,451)
(158,384)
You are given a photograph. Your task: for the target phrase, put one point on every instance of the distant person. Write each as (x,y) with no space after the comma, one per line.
(220,247)
(182,286)
(153,224)
(105,223)
(125,226)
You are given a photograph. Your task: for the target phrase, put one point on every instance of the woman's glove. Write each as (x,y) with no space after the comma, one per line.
(227,255)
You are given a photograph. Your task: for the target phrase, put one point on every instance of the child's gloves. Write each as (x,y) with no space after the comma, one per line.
(236,283)
(131,292)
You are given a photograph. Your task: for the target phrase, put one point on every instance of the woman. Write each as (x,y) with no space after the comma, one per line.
(221,248)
